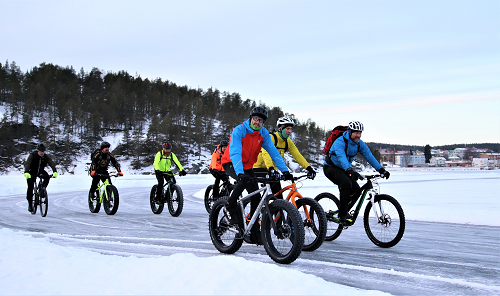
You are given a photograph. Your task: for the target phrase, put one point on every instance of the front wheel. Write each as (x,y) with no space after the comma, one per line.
(44,202)
(34,203)
(283,242)
(94,205)
(156,207)
(175,200)
(112,200)
(225,237)
(330,204)
(209,198)
(385,221)
(314,225)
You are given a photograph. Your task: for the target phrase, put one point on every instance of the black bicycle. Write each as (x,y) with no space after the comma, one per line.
(384,220)
(40,197)
(171,194)
(224,190)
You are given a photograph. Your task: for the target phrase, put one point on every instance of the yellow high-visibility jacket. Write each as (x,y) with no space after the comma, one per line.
(264,160)
(163,163)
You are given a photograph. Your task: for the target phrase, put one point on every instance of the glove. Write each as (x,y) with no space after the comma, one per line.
(54,175)
(384,173)
(244,179)
(92,174)
(27,175)
(310,173)
(182,173)
(355,175)
(120,173)
(288,176)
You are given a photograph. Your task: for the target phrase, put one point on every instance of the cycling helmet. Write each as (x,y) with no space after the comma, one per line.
(284,121)
(259,111)
(40,147)
(224,143)
(356,126)
(166,145)
(105,145)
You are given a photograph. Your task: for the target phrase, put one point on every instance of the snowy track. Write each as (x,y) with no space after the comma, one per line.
(432,258)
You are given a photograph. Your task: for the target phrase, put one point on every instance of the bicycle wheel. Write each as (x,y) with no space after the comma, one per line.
(225,238)
(283,243)
(94,206)
(315,226)
(175,201)
(330,204)
(209,198)
(112,200)
(157,208)
(44,202)
(34,202)
(385,224)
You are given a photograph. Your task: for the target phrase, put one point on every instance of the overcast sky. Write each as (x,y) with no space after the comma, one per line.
(414,72)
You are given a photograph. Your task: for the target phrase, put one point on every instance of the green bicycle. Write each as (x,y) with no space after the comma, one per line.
(171,195)
(384,220)
(107,194)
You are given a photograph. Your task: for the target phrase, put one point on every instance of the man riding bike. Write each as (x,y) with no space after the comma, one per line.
(162,163)
(337,167)
(216,168)
(242,152)
(35,165)
(282,141)
(99,166)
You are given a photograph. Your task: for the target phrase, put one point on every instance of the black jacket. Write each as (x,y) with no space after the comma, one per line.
(35,164)
(100,162)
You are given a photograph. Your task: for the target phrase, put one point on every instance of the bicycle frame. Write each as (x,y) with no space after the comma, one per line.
(294,194)
(103,193)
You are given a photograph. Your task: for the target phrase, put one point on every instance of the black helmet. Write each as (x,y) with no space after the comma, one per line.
(105,145)
(259,111)
(224,143)
(40,147)
(166,145)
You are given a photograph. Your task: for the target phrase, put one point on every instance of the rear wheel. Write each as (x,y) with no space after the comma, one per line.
(209,198)
(156,207)
(94,205)
(44,202)
(385,221)
(315,225)
(112,200)
(224,236)
(330,204)
(284,242)
(175,200)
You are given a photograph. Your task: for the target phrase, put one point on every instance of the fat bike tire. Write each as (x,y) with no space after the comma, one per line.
(34,205)
(175,200)
(94,206)
(209,198)
(224,237)
(330,204)
(315,227)
(44,202)
(156,207)
(284,243)
(112,201)
(388,228)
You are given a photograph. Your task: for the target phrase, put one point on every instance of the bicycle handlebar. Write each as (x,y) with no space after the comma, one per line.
(108,175)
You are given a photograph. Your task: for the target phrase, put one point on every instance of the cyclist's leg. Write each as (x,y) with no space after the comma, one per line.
(276,187)
(93,187)
(29,192)
(215,191)
(231,205)
(339,177)
(45,177)
(160,177)
(355,193)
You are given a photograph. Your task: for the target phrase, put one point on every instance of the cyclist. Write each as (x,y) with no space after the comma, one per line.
(337,167)
(100,162)
(35,165)
(282,141)
(162,163)
(216,168)
(242,152)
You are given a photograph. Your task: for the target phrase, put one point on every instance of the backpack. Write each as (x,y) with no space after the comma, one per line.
(276,142)
(92,158)
(334,135)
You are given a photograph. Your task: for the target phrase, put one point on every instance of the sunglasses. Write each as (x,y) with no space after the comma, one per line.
(258,119)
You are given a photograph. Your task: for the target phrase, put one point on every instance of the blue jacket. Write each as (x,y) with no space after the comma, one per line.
(340,159)
(244,148)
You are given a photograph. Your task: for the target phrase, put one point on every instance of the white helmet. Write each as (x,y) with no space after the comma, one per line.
(356,126)
(285,120)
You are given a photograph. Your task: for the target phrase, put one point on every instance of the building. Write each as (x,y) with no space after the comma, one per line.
(410,160)
(438,161)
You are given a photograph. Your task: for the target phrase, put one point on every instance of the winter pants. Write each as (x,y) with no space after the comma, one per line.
(238,189)
(347,186)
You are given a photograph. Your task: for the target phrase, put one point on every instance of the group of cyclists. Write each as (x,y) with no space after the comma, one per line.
(250,152)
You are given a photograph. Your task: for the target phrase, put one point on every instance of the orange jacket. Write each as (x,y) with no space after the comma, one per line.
(216,162)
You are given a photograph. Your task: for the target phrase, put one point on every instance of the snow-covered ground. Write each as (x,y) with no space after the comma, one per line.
(36,266)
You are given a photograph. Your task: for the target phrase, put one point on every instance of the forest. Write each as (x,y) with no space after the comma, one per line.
(71,111)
